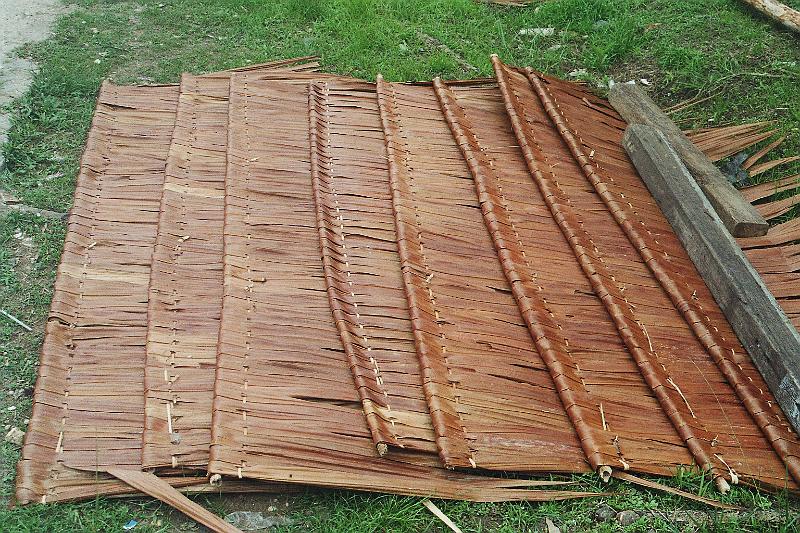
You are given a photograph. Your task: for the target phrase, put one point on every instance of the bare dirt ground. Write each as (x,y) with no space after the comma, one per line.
(21,22)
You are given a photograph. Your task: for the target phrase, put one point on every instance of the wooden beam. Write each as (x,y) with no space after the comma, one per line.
(759,322)
(741,218)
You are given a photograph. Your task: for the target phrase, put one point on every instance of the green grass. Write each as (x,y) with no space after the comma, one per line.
(684,48)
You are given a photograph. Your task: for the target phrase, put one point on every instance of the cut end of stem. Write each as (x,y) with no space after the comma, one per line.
(722,485)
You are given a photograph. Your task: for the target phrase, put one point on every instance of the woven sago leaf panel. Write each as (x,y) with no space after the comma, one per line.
(703,378)
(89,398)
(285,404)
(362,266)
(539,261)
(468,275)
(186,279)
(89,401)
(491,397)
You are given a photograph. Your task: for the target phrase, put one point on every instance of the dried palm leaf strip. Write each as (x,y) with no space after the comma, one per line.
(156,487)
(285,404)
(361,263)
(512,3)
(776,208)
(754,193)
(607,283)
(642,482)
(753,159)
(734,133)
(689,102)
(84,486)
(294,64)
(632,208)
(755,170)
(186,277)
(722,142)
(728,132)
(491,396)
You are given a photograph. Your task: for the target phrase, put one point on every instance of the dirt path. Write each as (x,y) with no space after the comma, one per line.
(21,22)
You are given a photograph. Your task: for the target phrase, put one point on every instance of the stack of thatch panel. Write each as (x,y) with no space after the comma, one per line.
(277,275)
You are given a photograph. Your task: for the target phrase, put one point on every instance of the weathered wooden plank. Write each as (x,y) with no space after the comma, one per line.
(738,215)
(759,322)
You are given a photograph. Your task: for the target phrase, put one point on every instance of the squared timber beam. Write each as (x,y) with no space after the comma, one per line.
(759,322)
(738,215)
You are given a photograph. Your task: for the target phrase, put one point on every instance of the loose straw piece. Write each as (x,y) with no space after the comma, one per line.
(16,320)
(680,392)
(441,516)
(677,492)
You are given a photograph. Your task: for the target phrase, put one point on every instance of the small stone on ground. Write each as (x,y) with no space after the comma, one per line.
(538,32)
(604,513)
(15,436)
(255,521)
(626,518)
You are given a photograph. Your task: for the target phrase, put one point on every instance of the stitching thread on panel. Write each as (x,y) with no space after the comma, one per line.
(249,275)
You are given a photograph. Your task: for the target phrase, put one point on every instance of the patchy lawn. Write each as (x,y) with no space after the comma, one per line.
(683,48)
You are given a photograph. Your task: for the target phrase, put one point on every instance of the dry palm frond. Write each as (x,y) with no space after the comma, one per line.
(719,143)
